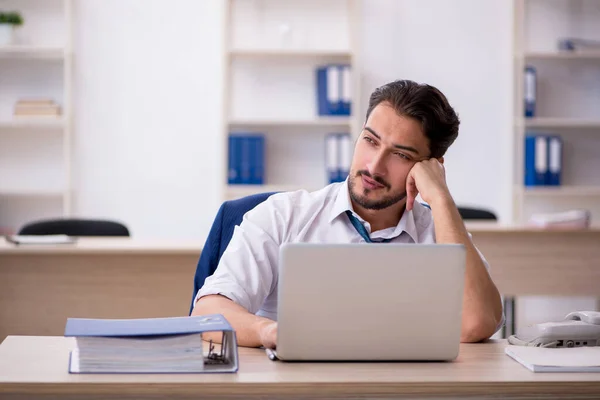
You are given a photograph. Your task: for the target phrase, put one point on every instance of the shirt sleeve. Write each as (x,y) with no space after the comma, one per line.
(247,270)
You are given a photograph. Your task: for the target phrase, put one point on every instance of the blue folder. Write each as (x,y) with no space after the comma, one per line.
(553,175)
(246,162)
(530,91)
(333,90)
(536,160)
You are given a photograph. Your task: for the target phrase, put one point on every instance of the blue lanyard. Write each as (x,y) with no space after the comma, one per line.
(360,228)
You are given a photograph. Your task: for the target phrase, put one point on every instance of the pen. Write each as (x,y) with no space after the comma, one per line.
(271,354)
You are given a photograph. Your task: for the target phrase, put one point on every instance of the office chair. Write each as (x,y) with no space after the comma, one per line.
(74,227)
(229,215)
(468,213)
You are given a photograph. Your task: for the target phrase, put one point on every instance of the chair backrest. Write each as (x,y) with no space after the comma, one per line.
(75,227)
(468,213)
(229,215)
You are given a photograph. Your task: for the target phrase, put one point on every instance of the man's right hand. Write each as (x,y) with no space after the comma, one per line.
(268,335)
(250,330)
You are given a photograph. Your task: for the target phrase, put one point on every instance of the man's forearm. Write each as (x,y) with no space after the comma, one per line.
(248,327)
(482,307)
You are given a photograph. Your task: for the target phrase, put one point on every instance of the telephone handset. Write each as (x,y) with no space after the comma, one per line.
(580,328)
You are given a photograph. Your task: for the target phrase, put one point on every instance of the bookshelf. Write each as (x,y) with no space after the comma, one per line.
(567,103)
(316,122)
(35,150)
(564,123)
(567,191)
(272,51)
(30,123)
(275,53)
(32,52)
(576,55)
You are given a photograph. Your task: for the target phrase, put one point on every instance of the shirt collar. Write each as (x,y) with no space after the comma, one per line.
(342,204)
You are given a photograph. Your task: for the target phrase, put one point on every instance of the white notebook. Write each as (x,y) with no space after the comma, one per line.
(538,359)
(41,239)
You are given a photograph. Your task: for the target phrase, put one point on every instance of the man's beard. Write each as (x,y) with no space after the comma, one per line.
(378,204)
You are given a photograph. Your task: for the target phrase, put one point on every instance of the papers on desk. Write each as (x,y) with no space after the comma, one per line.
(151,345)
(573,219)
(538,359)
(40,239)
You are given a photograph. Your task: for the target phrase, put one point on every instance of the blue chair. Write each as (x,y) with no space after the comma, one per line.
(229,215)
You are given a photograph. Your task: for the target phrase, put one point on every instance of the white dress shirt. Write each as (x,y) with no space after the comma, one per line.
(248,270)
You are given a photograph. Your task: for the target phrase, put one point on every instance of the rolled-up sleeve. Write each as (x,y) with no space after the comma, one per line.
(247,271)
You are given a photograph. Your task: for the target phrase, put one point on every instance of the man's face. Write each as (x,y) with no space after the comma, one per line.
(387,148)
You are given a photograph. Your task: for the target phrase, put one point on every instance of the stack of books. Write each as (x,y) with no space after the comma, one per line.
(31,108)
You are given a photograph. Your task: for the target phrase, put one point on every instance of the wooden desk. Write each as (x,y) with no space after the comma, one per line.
(526,261)
(41,286)
(37,366)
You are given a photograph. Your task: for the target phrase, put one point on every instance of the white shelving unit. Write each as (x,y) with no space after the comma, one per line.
(273,49)
(35,152)
(289,53)
(568,103)
(34,52)
(564,123)
(32,123)
(317,122)
(567,191)
(575,55)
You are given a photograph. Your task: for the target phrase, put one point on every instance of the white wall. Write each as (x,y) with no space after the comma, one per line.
(464,48)
(148,101)
(148,113)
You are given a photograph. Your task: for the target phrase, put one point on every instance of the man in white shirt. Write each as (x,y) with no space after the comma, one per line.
(398,155)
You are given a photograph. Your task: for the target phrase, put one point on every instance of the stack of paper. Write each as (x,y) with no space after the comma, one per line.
(179,353)
(150,345)
(538,359)
(572,219)
(41,239)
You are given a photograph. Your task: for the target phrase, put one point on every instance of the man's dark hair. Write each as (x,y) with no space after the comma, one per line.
(424,103)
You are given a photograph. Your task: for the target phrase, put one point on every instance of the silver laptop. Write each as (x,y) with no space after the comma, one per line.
(370,302)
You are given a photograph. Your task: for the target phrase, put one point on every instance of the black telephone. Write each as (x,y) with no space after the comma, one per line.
(580,328)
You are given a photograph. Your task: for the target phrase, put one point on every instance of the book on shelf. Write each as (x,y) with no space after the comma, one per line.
(246,158)
(338,156)
(151,345)
(530,91)
(543,160)
(36,107)
(334,90)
